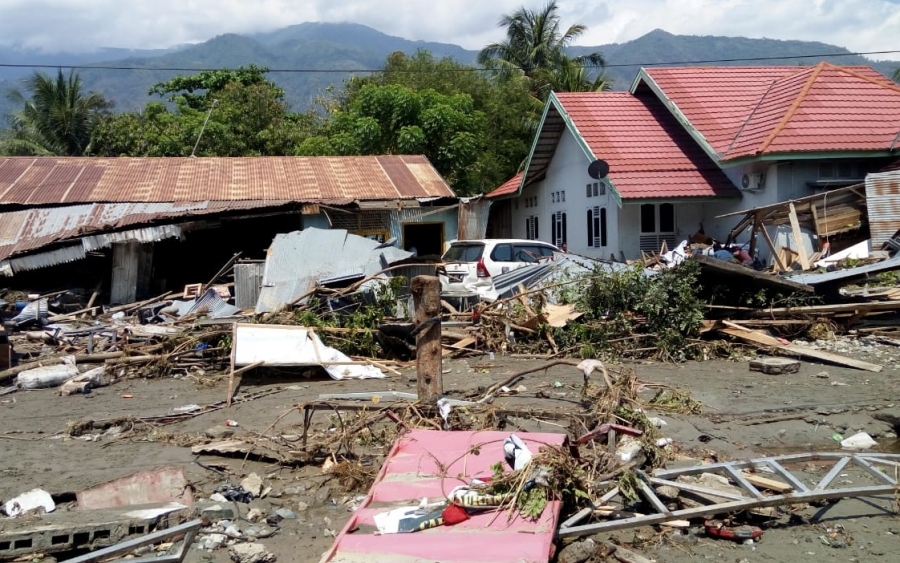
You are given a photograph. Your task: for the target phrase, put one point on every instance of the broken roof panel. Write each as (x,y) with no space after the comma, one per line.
(58,180)
(297,261)
(30,229)
(415,468)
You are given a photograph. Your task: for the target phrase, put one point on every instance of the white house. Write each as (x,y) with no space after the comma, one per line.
(685,145)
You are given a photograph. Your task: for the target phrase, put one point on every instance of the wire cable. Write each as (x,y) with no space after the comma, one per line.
(464,69)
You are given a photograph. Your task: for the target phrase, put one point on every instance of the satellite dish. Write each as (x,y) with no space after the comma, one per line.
(598,169)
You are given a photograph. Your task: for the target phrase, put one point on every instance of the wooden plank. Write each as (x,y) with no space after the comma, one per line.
(765,483)
(798,237)
(775,256)
(794,350)
(725,269)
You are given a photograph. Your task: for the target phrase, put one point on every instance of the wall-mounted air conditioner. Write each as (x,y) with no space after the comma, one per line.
(752,182)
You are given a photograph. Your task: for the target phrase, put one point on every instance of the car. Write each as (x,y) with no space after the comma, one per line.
(468,264)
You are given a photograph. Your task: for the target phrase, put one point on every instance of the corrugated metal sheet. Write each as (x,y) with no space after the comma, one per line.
(850,273)
(296,261)
(208,304)
(415,468)
(248,278)
(473,218)
(46,259)
(883,204)
(147,234)
(51,180)
(31,229)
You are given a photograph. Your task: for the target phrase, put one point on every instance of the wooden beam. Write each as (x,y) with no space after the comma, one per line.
(798,237)
(767,341)
(815,218)
(426,292)
(779,263)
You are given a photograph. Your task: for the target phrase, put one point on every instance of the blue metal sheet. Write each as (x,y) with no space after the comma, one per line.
(850,273)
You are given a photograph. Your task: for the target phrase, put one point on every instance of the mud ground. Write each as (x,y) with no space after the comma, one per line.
(744,414)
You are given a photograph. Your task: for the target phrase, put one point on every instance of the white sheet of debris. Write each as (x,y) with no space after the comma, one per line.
(276,345)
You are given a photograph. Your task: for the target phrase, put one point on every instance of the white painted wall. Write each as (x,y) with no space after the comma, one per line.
(567,172)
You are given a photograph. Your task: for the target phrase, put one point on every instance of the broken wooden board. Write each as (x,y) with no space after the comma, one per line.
(766,483)
(725,269)
(775,366)
(765,340)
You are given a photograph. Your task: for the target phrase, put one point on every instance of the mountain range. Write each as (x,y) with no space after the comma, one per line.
(333,51)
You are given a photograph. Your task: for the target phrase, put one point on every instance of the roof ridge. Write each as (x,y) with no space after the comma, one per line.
(851,72)
(791,110)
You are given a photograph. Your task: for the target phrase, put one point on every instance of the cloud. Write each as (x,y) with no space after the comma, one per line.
(76,25)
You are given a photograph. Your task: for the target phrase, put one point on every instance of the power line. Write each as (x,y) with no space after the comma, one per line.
(466,69)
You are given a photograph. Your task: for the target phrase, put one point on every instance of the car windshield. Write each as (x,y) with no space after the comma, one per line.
(464,253)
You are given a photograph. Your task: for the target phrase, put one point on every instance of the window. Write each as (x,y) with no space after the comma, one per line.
(531,227)
(502,253)
(562,194)
(558,228)
(553,197)
(595,189)
(464,252)
(657,226)
(844,170)
(596,227)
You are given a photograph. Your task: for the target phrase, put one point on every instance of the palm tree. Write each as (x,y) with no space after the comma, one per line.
(535,44)
(571,76)
(57,119)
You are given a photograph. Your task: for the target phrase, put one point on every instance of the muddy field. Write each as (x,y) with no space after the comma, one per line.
(744,414)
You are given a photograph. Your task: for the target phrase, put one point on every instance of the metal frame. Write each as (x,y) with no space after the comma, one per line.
(189,529)
(867,462)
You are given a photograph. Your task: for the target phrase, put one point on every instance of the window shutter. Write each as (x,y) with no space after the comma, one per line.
(597,228)
(590,227)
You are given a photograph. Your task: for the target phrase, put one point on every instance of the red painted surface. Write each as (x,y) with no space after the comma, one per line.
(508,187)
(650,154)
(411,472)
(745,111)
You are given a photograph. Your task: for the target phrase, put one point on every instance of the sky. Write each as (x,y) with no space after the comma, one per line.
(85,25)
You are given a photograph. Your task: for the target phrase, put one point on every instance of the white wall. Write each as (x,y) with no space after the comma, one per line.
(567,172)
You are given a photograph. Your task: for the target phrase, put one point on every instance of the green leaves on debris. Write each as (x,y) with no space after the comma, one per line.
(630,313)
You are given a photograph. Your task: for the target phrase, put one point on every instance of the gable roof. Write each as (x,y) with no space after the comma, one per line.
(739,112)
(649,154)
(337,180)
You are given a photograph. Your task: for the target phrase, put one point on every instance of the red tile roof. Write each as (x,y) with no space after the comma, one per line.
(53,181)
(508,187)
(747,111)
(650,154)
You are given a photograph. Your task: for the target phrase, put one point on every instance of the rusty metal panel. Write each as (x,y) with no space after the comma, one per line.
(50,180)
(883,203)
(247,283)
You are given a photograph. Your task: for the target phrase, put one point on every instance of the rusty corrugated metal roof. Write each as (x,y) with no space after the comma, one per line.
(54,181)
(883,206)
(31,229)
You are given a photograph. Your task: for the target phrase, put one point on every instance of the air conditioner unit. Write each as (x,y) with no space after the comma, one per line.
(752,181)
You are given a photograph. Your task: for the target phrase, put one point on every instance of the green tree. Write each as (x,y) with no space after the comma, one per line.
(896,75)
(396,119)
(56,118)
(509,113)
(233,113)
(535,45)
(571,76)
